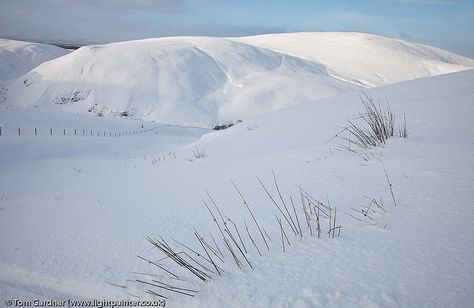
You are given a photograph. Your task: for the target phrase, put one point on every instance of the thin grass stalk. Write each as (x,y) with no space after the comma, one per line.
(161,287)
(191,258)
(211,249)
(390,186)
(307,217)
(330,221)
(238,234)
(297,220)
(293,225)
(284,232)
(281,232)
(173,287)
(165,248)
(274,202)
(251,214)
(217,246)
(156,294)
(266,234)
(240,249)
(215,220)
(226,229)
(251,239)
(192,250)
(317,221)
(159,266)
(205,250)
(236,259)
(308,196)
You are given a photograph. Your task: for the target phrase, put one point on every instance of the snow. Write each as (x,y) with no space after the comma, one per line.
(204,81)
(194,81)
(75,210)
(362,58)
(18,58)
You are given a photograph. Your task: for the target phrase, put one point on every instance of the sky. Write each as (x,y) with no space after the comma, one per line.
(448,24)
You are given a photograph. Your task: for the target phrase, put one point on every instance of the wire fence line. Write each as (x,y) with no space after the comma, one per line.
(34,131)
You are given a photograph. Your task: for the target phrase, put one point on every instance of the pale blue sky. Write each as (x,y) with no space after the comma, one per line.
(448,24)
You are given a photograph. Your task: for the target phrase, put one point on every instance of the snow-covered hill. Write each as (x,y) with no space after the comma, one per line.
(363,58)
(202,80)
(18,58)
(187,80)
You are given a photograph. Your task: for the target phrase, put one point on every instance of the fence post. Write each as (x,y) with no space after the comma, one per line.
(51,131)
(91,132)
(83,132)
(64,132)
(19,132)
(36,133)
(0,130)
(74,132)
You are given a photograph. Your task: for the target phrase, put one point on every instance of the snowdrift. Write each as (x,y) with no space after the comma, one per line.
(18,58)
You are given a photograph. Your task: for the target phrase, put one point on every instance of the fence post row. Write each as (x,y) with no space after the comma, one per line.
(115,134)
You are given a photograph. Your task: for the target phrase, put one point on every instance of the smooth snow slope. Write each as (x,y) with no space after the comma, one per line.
(18,58)
(78,233)
(203,80)
(362,58)
(187,80)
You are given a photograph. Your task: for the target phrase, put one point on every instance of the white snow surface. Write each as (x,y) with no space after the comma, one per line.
(204,80)
(75,210)
(185,80)
(18,57)
(362,58)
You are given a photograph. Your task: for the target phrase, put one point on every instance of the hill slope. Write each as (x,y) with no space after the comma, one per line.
(368,59)
(18,58)
(203,80)
(186,80)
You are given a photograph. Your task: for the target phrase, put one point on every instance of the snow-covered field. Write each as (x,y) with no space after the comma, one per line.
(75,211)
